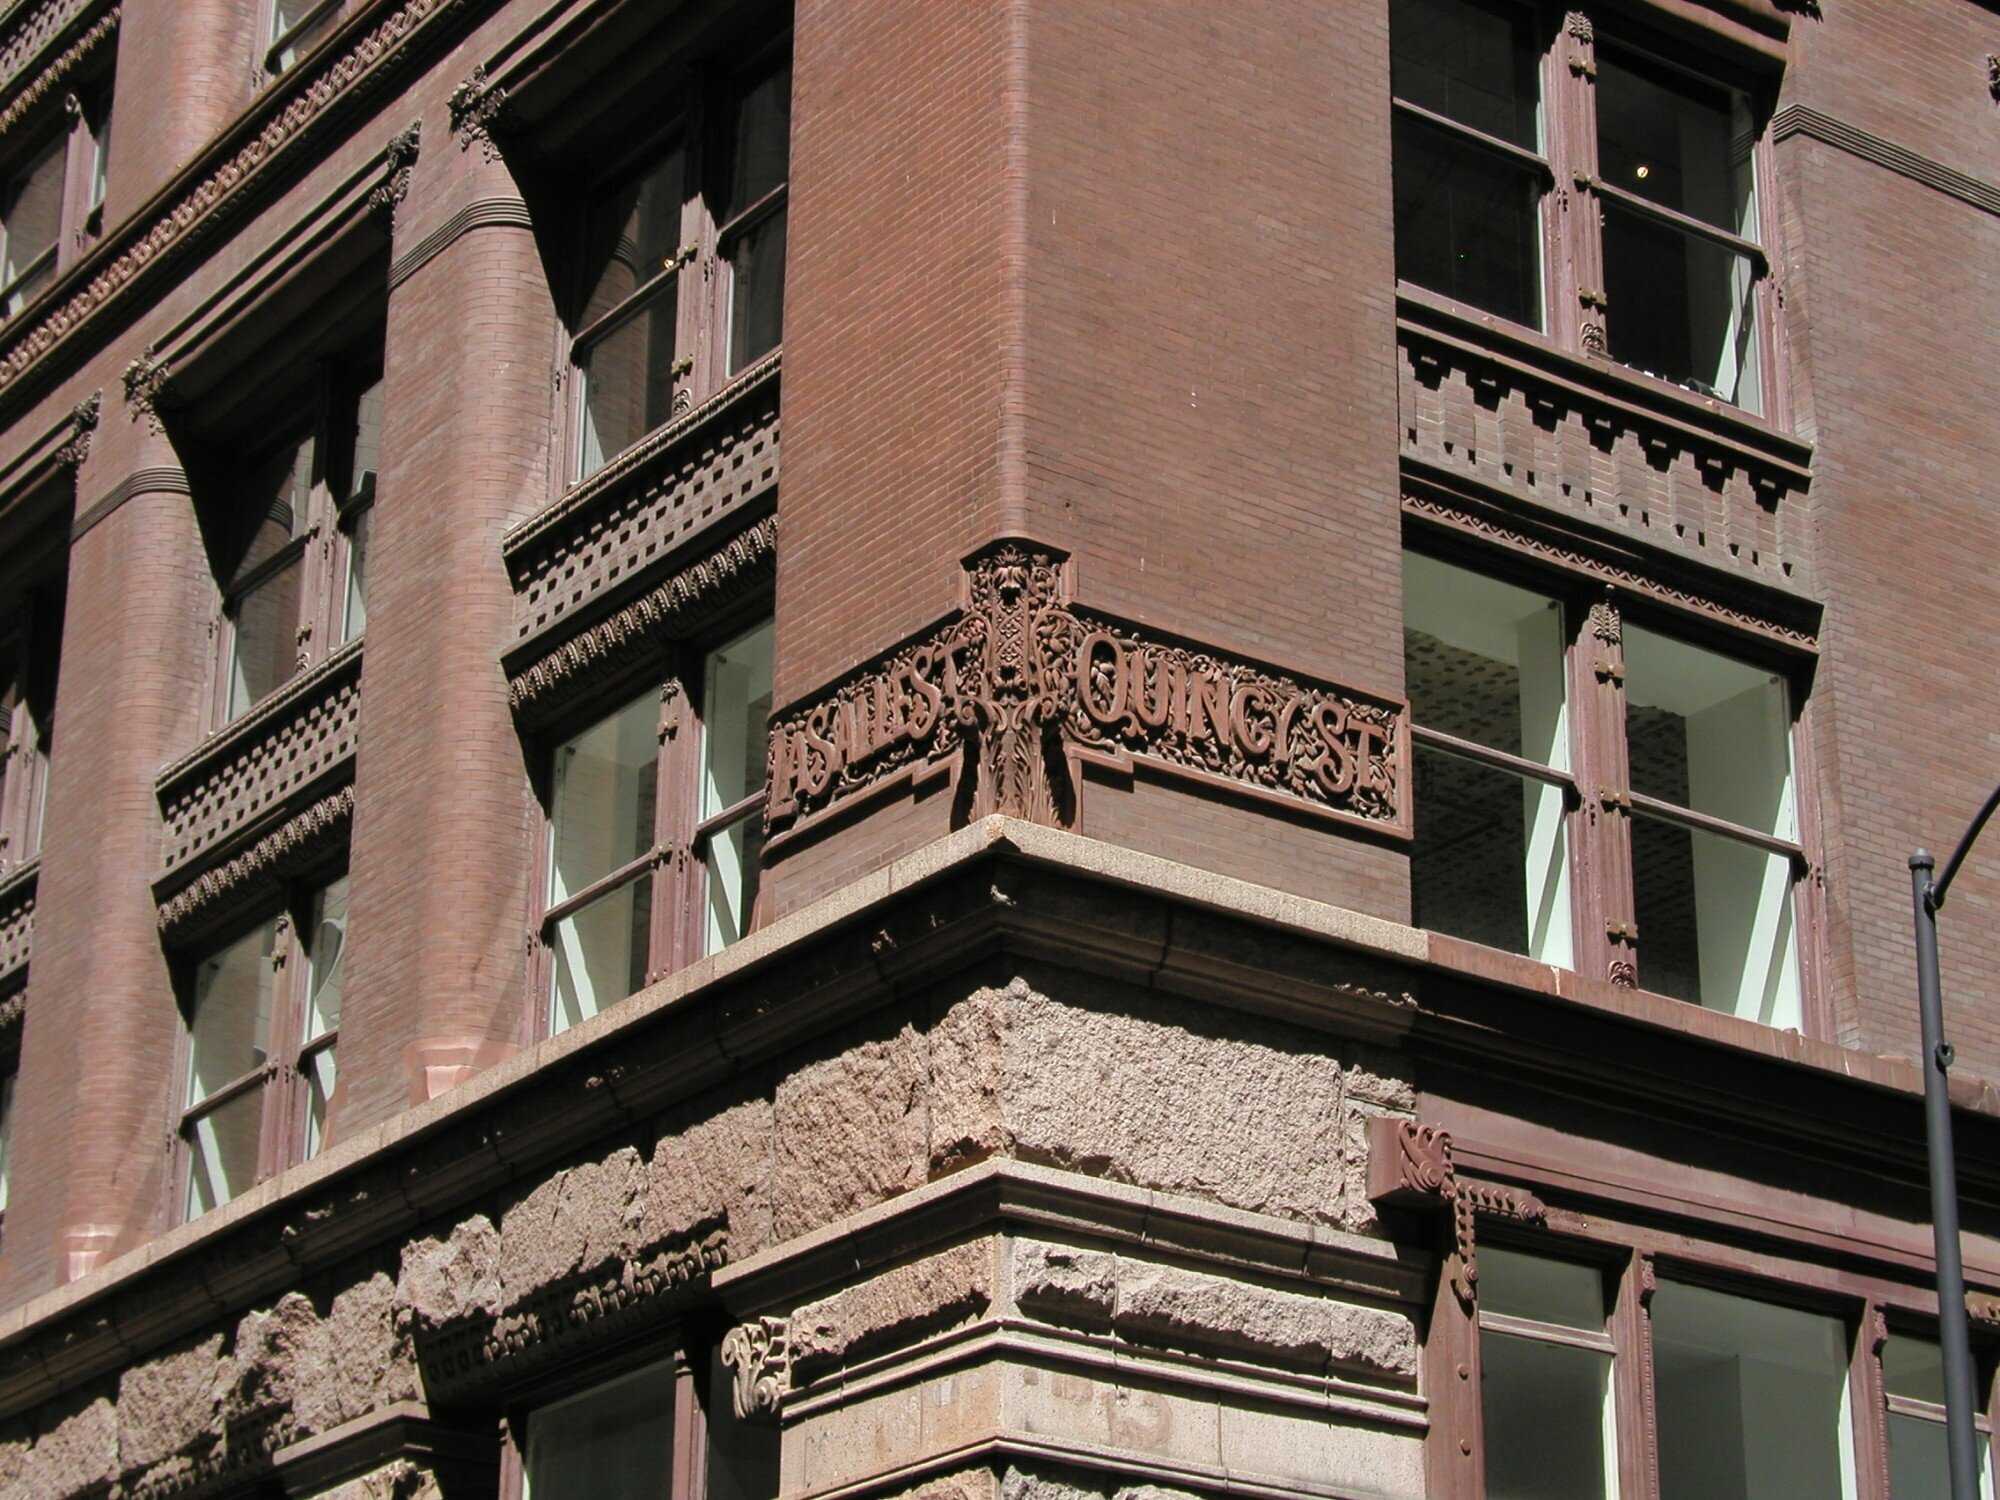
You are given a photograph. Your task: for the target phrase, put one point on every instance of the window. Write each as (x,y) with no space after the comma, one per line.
(282,601)
(6,1139)
(684,262)
(263,1026)
(30,640)
(1913,1400)
(654,831)
(51,204)
(1689,761)
(1662,161)
(292,29)
(1751,1398)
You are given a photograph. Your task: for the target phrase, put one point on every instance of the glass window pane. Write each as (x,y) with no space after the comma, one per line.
(264,648)
(1472,63)
(1682,307)
(1715,920)
(222,1152)
(367,455)
(354,612)
(286,19)
(1483,660)
(6,1136)
(736,712)
(230,1030)
(321,1077)
(1918,1466)
(1533,1286)
(100,155)
(612,1443)
(327,947)
(1467,223)
(1707,732)
(32,215)
(757,291)
(1676,139)
(763,138)
(627,377)
(1752,1399)
(1913,1367)
(1548,1419)
(605,793)
(601,953)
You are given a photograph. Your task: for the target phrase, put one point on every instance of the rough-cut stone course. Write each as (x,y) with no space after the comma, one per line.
(932,1293)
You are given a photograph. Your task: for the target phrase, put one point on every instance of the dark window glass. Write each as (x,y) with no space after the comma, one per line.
(629,342)
(264,609)
(756,249)
(1675,140)
(1471,63)
(31,218)
(1467,222)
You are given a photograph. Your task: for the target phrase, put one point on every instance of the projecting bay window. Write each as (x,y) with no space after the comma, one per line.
(683,265)
(285,604)
(263,1024)
(1596,793)
(655,829)
(1562,171)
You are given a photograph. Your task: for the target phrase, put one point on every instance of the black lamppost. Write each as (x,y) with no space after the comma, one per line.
(1954,1337)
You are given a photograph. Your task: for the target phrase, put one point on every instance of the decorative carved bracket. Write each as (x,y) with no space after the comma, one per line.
(400,157)
(477,106)
(760,1354)
(145,379)
(82,425)
(1410,1166)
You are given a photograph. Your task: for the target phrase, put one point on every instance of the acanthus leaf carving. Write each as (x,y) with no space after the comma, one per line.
(477,106)
(399,159)
(145,380)
(82,426)
(1410,1165)
(759,1353)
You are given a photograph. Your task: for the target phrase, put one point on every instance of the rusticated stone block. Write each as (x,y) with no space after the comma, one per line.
(354,1360)
(852,1128)
(1066,1285)
(900,1304)
(709,1170)
(80,1451)
(442,1280)
(968,1079)
(171,1403)
(577,1219)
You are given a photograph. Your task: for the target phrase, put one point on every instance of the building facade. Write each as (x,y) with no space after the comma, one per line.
(1275,866)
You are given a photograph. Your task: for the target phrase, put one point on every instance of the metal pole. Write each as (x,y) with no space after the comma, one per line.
(1954,1336)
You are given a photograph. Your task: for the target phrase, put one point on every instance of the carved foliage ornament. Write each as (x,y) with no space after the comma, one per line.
(760,1354)
(476,108)
(1023,680)
(82,425)
(399,158)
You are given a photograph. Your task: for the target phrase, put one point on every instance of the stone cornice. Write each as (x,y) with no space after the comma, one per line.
(1005,889)
(371,47)
(294,845)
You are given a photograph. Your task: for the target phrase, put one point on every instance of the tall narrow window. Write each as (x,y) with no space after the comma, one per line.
(1470,167)
(752,237)
(1752,1398)
(30,642)
(1680,226)
(1484,663)
(357,507)
(31,209)
(1913,1388)
(1545,1379)
(655,830)
(6,1139)
(1714,828)
(627,349)
(262,603)
(612,1442)
(262,1027)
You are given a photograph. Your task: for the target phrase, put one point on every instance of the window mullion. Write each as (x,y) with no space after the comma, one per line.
(1579,320)
(676,771)
(699,336)
(1870,1421)
(1607,947)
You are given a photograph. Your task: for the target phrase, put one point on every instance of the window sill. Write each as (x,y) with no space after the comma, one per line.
(1596,379)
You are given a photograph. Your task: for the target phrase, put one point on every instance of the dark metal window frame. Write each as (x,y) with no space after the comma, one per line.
(1575,308)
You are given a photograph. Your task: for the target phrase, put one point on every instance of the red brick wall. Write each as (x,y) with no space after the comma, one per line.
(185,68)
